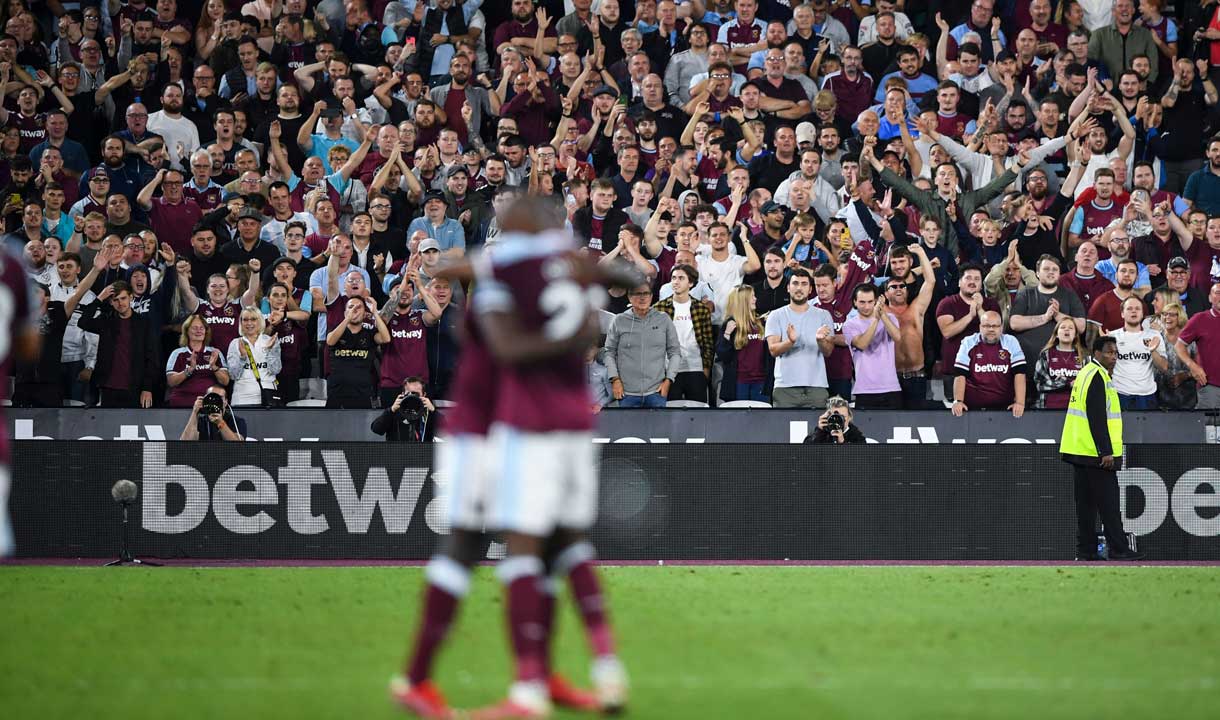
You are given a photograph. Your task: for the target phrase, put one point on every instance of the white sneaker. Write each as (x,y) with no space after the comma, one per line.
(610,683)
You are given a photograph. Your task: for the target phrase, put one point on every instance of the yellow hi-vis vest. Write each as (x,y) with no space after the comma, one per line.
(1077,440)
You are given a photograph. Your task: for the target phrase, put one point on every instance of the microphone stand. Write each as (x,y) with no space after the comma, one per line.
(125,556)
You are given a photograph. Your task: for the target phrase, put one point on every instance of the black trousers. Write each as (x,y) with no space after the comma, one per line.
(689,386)
(1097,492)
(111,398)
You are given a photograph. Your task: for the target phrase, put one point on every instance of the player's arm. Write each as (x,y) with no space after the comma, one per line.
(509,341)
(383,333)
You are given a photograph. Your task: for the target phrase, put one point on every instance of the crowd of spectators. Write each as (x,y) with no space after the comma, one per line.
(897,203)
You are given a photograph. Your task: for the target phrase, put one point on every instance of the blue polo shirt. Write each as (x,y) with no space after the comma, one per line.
(1203,189)
(449,234)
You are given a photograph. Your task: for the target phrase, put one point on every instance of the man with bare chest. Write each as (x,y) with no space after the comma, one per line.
(908,351)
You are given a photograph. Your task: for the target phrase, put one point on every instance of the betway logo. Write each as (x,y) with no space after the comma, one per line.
(235,497)
(1184,501)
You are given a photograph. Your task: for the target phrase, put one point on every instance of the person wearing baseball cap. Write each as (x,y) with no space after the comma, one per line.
(1177,279)
(466,207)
(447,232)
(247,245)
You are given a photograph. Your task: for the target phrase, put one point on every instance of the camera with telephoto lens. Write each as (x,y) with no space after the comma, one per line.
(835,422)
(212,404)
(411,408)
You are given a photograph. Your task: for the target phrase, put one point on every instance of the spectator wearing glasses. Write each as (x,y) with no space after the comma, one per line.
(206,193)
(172,215)
(201,103)
(1177,278)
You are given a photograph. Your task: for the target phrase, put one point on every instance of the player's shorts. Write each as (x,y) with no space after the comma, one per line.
(543,481)
(465,484)
(6,528)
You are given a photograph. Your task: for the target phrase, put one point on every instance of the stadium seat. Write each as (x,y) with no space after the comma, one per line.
(685,404)
(74,403)
(744,404)
(444,403)
(312,402)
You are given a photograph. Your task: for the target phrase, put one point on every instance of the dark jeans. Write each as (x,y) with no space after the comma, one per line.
(914,392)
(39,395)
(879,401)
(689,386)
(289,388)
(1097,492)
(752,391)
(348,400)
(111,398)
(655,400)
(1137,402)
(74,387)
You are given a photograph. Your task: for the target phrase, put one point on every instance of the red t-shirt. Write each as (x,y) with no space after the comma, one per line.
(1203,329)
(1107,312)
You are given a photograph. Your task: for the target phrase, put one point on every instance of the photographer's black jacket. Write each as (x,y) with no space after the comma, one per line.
(823,437)
(387,424)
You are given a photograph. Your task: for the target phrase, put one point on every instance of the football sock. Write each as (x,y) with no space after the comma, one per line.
(521,575)
(576,561)
(548,588)
(448,583)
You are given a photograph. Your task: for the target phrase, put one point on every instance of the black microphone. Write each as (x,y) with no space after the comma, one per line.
(124,492)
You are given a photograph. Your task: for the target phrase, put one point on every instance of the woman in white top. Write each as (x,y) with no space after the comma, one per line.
(254,359)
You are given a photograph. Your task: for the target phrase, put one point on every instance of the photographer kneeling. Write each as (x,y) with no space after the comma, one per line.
(835,427)
(212,420)
(412,417)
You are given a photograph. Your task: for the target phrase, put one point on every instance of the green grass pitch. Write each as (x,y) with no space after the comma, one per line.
(699,642)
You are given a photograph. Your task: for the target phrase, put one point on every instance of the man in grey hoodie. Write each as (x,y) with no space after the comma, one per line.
(642,352)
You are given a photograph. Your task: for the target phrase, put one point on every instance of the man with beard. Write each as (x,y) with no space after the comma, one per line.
(522,31)
(1093,217)
(883,51)
(909,345)
(957,317)
(1106,314)
(458,94)
(179,133)
(1203,186)
(1037,311)
(290,121)
(202,261)
(1120,249)
(800,337)
(772,291)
